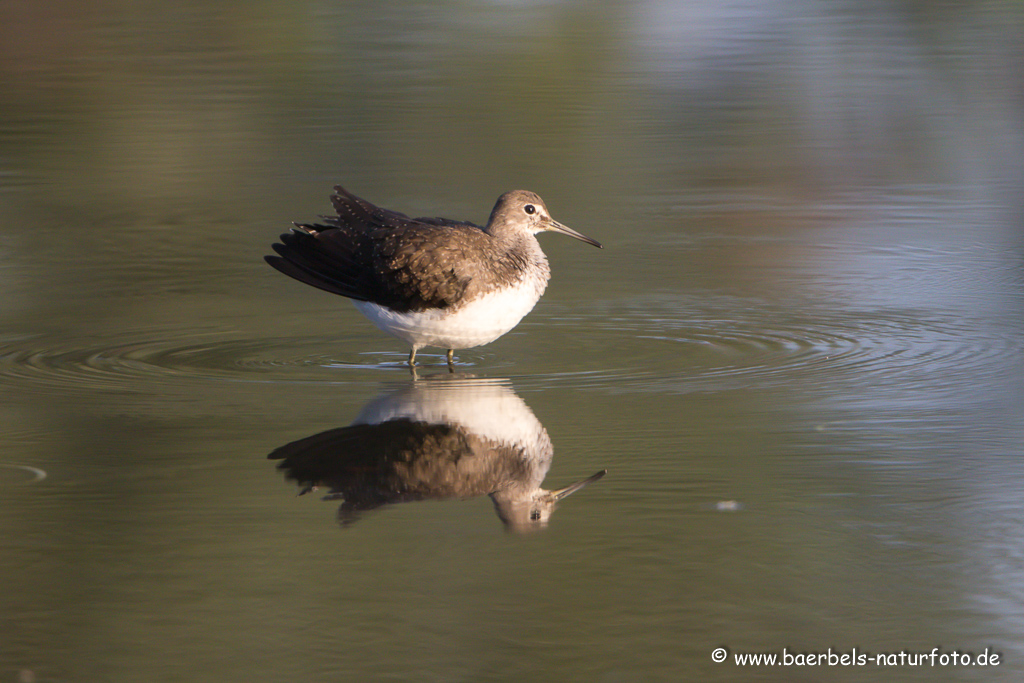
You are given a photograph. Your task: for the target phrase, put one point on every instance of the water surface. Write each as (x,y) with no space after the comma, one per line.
(799,356)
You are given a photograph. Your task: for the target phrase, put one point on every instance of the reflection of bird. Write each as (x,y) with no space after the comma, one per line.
(435,440)
(428,281)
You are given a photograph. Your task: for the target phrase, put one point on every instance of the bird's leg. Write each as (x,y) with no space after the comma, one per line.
(412,357)
(451,354)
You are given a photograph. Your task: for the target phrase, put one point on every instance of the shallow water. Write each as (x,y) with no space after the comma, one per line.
(799,356)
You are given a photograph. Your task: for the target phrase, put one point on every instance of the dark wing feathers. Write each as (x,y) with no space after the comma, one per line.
(356,211)
(322,263)
(372,254)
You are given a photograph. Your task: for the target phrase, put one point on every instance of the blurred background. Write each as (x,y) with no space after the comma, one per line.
(799,355)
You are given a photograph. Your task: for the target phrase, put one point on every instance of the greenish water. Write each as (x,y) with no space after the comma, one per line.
(799,356)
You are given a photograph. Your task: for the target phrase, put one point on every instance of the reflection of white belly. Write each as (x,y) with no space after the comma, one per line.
(477,322)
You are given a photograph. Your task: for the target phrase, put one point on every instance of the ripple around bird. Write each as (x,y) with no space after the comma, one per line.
(653,351)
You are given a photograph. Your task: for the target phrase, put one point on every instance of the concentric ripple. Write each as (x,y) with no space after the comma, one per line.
(875,344)
(120,366)
(648,347)
(701,351)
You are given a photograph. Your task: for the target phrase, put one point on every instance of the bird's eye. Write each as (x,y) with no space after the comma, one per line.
(530,209)
(534,514)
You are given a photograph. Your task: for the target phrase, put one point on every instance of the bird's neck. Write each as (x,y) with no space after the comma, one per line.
(522,248)
(502,232)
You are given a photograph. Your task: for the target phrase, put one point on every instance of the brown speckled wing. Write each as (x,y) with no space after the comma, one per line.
(407,264)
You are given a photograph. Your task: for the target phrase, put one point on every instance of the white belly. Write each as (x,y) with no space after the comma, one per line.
(474,323)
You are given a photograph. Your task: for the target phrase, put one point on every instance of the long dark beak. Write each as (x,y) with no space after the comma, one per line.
(559,494)
(555,226)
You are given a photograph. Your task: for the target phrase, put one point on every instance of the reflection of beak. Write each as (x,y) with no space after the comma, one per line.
(559,494)
(555,226)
